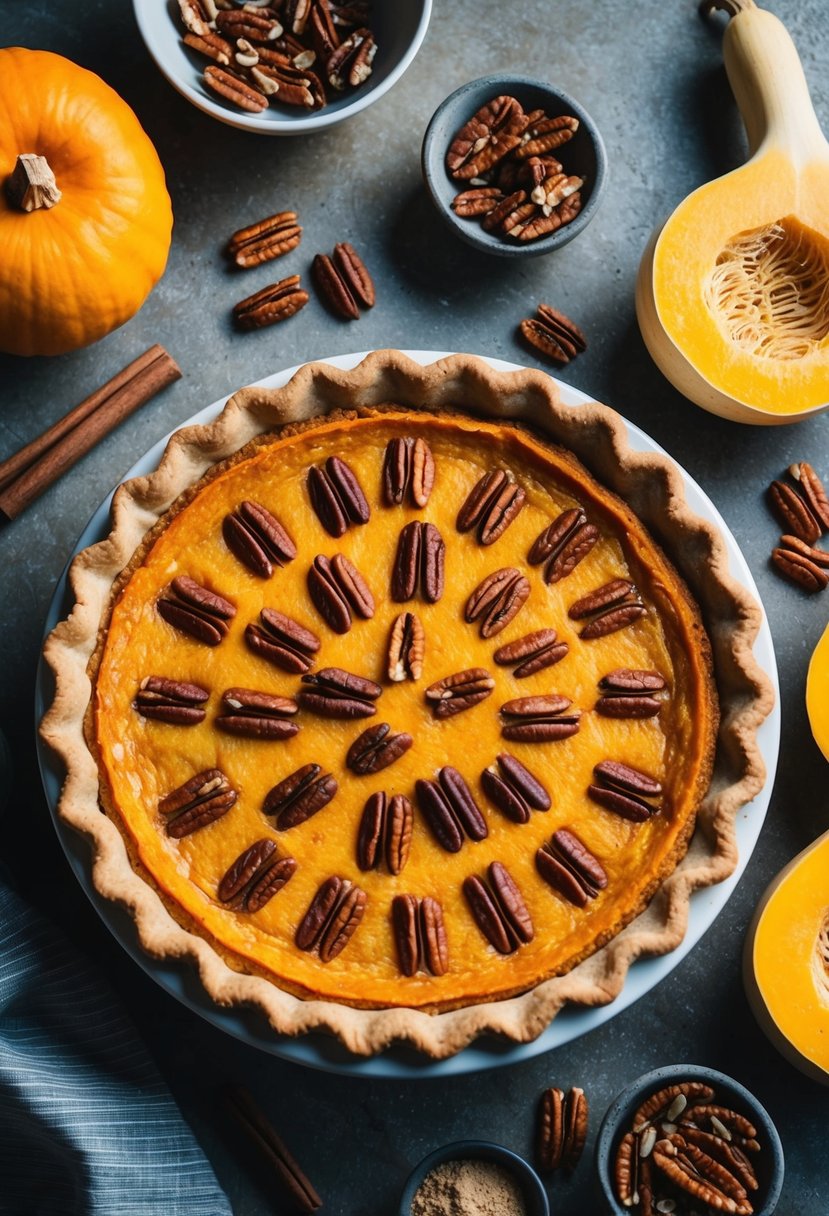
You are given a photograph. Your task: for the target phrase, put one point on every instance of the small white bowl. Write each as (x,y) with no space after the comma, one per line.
(399,29)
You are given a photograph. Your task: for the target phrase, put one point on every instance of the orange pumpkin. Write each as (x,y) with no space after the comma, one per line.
(85,218)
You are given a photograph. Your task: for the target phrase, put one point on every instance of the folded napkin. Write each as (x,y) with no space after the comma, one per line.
(87,1125)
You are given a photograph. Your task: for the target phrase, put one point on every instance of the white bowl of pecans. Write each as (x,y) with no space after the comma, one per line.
(287,67)
(513,165)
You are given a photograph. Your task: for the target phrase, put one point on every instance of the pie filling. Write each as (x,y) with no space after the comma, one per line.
(261,840)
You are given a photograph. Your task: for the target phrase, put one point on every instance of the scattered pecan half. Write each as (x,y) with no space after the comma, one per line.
(337,496)
(625,790)
(629,693)
(460,691)
(418,562)
(491,506)
(407,648)
(196,610)
(553,334)
(611,607)
(173,701)
(343,282)
(450,809)
(337,590)
(566,863)
(257,715)
(334,693)
(562,1128)
(257,538)
(544,718)
(514,789)
(408,469)
(531,653)
(498,909)
(255,877)
(274,303)
(299,796)
(202,799)
(333,917)
(794,512)
(813,491)
(497,600)
(376,748)
(801,563)
(265,240)
(420,935)
(385,832)
(282,641)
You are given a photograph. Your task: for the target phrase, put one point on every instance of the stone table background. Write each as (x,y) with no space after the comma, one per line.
(652,77)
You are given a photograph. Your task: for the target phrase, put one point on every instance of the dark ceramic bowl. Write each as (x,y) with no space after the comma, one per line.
(768,1162)
(582,156)
(532,1188)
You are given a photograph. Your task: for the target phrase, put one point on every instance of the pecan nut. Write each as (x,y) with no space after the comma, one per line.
(337,496)
(540,719)
(611,607)
(419,562)
(343,282)
(173,701)
(385,832)
(693,1172)
(450,809)
(629,693)
(478,201)
(545,134)
(813,490)
(333,917)
(233,87)
(514,789)
(299,796)
(456,693)
(265,240)
(624,790)
(493,131)
(274,303)
(498,909)
(337,589)
(255,877)
(353,272)
(376,748)
(334,693)
(407,648)
(531,653)
(491,506)
(211,45)
(257,715)
(257,538)
(420,935)
(799,567)
(497,600)
(562,1128)
(196,610)
(566,863)
(243,23)
(551,332)
(563,544)
(282,641)
(350,64)
(794,512)
(202,799)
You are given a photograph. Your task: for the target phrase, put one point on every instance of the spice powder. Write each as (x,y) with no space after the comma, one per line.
(468,1188)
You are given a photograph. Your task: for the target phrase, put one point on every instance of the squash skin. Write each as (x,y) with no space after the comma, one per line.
(72,273)
(781,964)
(786,179)
(817,693)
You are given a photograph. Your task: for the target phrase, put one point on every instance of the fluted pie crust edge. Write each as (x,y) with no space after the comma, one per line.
(652,487)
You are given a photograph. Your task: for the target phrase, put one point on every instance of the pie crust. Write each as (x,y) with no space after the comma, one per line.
(437,1015)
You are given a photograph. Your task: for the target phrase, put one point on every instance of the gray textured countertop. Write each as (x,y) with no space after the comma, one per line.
(652,78)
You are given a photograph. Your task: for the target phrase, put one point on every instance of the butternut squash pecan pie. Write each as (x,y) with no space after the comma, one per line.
(397,713)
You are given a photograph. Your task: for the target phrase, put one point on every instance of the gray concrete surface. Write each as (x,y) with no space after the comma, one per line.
(652,77)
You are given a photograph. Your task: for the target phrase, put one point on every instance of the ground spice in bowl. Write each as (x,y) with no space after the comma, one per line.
(468,1188)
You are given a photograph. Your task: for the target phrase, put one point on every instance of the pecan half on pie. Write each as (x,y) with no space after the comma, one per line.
(396,708)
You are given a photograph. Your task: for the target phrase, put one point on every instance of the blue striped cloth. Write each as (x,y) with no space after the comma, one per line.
(87,1125)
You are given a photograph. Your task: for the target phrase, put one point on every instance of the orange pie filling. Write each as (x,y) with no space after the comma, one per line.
(144,759)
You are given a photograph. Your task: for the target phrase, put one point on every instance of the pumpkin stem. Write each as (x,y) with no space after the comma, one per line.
(31,184)
(732,7)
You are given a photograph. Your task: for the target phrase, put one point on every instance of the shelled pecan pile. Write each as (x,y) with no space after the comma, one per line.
(802,507)
(294,52)
(513,183)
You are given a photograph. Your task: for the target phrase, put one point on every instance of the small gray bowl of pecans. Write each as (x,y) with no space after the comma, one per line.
(282,67)
(514,166)
(686,1140)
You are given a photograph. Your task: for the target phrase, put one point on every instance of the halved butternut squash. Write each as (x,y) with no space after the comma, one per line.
(733,292)
(786,961)
(817,693)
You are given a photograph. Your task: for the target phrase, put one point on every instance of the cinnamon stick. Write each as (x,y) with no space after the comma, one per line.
(26,474)
(268,1142)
